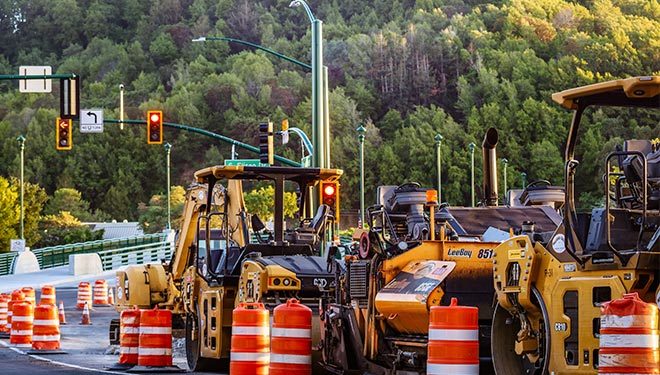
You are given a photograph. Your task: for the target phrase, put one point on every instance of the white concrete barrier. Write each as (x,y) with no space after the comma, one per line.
(25,262)
(85,264)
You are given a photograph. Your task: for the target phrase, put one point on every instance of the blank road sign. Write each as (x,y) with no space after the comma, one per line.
(35,85)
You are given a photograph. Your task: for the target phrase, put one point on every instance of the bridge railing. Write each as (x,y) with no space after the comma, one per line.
(54,256)
(139,254)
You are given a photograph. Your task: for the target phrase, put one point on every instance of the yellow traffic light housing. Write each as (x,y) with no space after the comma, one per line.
(155,127)
(63,138)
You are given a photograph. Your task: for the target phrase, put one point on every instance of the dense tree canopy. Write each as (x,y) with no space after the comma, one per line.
(404,69)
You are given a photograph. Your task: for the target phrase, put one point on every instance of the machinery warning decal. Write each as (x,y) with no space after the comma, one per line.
(419,277)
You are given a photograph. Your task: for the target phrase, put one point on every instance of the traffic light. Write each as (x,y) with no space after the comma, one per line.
(70,98)
(330,197)
(266,143)
(155,127)
(63,140)
(285,131)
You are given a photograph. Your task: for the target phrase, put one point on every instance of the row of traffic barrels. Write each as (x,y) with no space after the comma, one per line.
(30,325)
(145,338)
(98,294)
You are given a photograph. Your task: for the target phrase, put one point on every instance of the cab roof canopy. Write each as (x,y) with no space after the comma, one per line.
(628,92)
(303,176)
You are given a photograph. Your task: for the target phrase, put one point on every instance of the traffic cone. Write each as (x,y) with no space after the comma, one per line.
(111,297)
(62,316)
(85,316)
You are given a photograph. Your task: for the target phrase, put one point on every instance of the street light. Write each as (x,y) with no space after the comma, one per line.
(21,140)
(438,144)
(471,146)
(319,132)
(168,148)
(361,131)
(506,163)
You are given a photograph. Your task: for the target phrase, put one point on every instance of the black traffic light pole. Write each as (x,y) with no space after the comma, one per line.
(207,133)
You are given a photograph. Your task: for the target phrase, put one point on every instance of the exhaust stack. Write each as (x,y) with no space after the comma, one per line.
(490,167)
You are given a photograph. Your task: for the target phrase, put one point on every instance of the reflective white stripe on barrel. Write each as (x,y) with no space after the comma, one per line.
(21,319)
(291,358)
(40,322)
(130,330)
(250,357)
(23,332)
(128,350)
(154,351)
(155,330)
(46,338)
(453,334)
(23,345)
(629,341)
(292,332)
(250,331)
(443,369)
(627,321)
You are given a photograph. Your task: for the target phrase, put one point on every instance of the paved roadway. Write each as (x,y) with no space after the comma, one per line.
(85,346)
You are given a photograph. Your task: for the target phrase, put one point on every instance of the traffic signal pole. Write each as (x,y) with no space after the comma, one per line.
(207,133)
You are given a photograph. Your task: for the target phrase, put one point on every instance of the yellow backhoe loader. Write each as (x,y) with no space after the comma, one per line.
(549,290)
(282,263)
(414,257)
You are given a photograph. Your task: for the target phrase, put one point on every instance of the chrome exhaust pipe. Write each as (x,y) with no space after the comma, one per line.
(488,147)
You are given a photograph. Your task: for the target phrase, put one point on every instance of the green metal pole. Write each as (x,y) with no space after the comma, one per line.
(318,159)
(257,46)
(21,139)
(506,164)
(35,76)
(472,146)
(168,149)
(361,132)
(326,117)
(524,179)
(438,162)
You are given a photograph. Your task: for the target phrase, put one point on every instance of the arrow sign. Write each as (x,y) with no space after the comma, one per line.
(91,121)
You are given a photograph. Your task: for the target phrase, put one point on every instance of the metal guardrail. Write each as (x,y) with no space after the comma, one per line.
(54,256)
(140,254)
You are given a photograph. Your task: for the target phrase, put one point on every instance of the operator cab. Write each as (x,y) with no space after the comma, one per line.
(235,233)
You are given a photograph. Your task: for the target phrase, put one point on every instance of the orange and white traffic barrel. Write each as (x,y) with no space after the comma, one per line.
(48,295)
(4,307)
(291,339)
(629,337)
(453,346)
(250,340)
(129,336)
(84,295)
(21,325)
(100,292)
(17,296)
(46,328)
(30,295)
(155,343)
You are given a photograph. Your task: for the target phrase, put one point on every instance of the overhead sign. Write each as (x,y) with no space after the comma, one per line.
(17,245)
(35,85)
(245,163)
(91,121)
(70,98)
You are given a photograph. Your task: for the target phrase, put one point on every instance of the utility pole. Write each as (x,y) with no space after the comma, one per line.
(471,146)
(168,149)
(361,131)
(506,163)
(21,140)
(438,162)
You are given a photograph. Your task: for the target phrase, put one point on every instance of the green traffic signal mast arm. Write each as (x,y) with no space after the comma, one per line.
(253,45)
(36,76)
(208,134)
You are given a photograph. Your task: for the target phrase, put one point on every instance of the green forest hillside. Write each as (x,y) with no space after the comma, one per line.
(407,70)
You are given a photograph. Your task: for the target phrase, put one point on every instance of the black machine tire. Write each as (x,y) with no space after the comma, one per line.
(193,349)
(503,336)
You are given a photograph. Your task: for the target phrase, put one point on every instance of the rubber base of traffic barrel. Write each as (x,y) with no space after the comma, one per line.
(158,370)
(118,367)
(45,352)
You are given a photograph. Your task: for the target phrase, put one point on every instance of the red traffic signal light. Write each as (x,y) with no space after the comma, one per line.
(330,197)
(63,139)
(155,127)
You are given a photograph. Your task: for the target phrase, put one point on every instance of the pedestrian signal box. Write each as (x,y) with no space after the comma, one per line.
(63,139)
(266,152)
(330,197)
(155,127)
